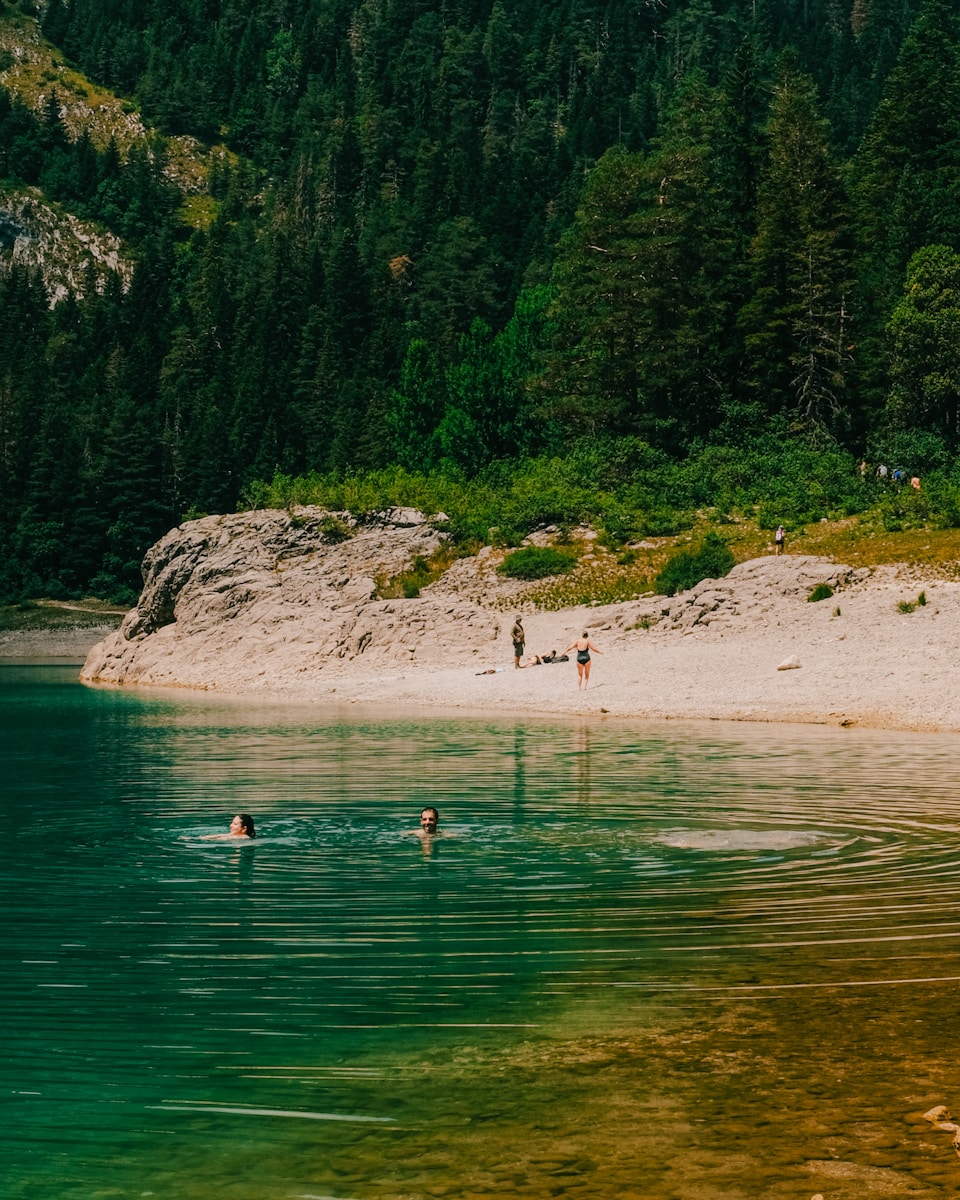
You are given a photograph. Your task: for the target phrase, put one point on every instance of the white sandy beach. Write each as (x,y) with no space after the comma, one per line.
(871,666)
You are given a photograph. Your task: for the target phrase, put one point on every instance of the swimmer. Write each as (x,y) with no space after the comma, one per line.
(240,827)
(429,826)
(429,823)
(583,646)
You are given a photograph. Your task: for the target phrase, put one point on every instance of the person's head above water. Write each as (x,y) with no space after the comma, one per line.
(429,820)
(242,826)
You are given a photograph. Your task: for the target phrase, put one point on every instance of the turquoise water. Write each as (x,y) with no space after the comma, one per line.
(650,961)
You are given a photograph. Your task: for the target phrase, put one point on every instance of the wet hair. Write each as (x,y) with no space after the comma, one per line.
(585,634)
(246,823)
(430,808)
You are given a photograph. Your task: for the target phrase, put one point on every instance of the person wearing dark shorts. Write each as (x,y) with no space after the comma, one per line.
(519,637)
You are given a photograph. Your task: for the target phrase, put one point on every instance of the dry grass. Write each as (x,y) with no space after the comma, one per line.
(37,67)
(600,579)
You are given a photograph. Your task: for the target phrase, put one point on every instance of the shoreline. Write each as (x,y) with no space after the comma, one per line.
(873,667)
(261,605)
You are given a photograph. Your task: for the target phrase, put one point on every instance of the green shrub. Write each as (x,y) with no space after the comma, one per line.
(663,522)
(334,530)
(536,562)
(686,568)
(505,536)
(823,591)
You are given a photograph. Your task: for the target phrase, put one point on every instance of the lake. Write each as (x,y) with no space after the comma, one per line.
(650,961)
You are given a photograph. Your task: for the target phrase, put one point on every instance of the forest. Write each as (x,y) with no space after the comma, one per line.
(525,263)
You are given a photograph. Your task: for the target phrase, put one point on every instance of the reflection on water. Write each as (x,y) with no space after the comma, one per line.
(652,962)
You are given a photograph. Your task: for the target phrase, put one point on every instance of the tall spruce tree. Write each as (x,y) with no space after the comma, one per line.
(924,335)
(796,323)
(905,179)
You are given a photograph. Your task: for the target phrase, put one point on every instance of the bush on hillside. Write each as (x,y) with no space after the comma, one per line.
(685,569)
(536,562)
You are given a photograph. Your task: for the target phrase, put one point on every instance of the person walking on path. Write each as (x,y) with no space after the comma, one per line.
(778,539)
(583,646)
(518,639)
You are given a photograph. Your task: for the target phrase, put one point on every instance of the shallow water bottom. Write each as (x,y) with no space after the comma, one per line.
(715,1100)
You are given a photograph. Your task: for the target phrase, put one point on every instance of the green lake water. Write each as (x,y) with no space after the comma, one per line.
(655,961)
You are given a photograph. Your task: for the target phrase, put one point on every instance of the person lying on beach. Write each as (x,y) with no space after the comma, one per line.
(240,827)
(537,660)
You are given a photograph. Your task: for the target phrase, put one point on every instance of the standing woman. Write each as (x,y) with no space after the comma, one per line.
(583,646)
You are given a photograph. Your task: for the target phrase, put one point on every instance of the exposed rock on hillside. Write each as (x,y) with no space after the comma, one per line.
(36,71)
(263,597)
(752,590)
(64,249)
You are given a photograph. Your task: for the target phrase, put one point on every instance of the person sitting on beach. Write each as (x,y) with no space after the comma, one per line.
(583,646)
(240,827)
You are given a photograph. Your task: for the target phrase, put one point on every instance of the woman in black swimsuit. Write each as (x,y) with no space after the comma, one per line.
(583,646)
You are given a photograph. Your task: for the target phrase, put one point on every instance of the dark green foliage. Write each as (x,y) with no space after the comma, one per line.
(687,568)
(531,264)
(823,591)
(536,562)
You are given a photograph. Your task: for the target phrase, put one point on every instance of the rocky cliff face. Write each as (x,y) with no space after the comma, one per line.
(69,253)
(260,599)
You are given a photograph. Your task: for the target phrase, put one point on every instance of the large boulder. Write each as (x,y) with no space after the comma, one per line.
(260,598)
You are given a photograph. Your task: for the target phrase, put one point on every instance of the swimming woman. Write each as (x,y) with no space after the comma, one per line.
(583,646)
(240,827)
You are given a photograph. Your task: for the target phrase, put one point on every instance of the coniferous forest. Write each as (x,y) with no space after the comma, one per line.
(624,259)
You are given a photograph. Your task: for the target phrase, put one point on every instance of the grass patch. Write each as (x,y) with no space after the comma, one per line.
(908,606)
(199,211)
(823,591)
(49,614)
(407,585)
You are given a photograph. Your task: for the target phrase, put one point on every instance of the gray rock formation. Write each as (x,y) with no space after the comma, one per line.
(754,588)
(69,253)
(262,599)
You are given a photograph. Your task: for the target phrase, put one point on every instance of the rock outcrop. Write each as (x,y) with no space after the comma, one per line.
(260,599)
(753,590)
(68,252)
